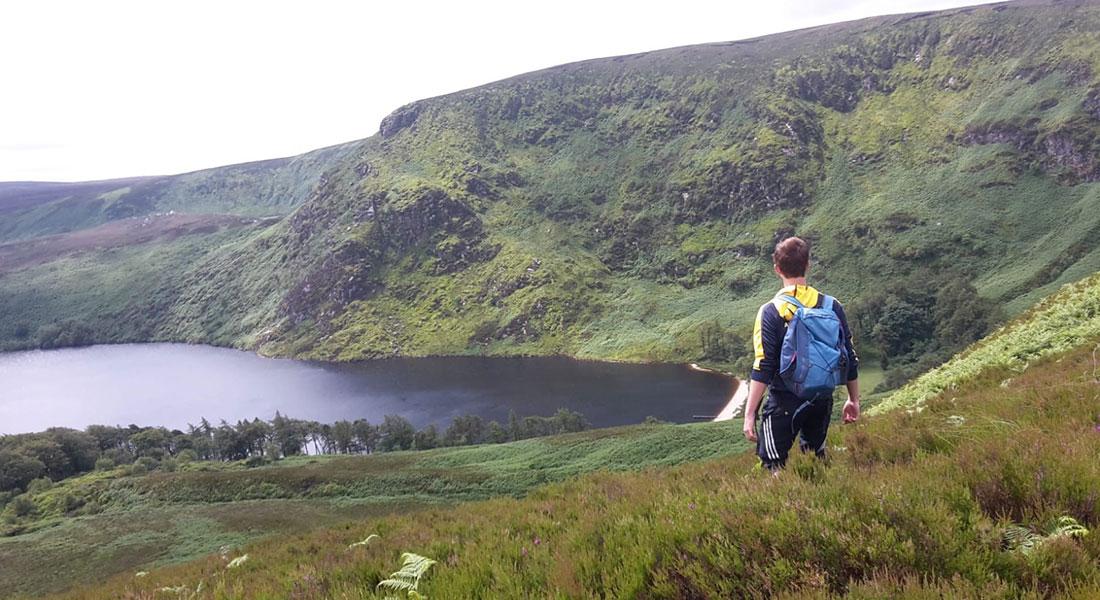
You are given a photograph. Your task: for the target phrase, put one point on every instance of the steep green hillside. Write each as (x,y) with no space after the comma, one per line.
(625,208)
(142,521)
(989,492)
(611,208)
(1058,323)
(103,261)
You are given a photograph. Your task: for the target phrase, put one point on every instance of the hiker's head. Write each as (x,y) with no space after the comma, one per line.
(791,257)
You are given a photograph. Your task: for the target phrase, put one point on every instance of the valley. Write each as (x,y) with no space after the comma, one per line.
(625,208)
(926,501)
(414,307)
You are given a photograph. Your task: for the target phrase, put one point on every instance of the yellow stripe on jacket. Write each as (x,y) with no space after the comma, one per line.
(805,294)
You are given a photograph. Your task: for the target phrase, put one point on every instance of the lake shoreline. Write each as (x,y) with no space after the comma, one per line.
(173,384)
(258,351)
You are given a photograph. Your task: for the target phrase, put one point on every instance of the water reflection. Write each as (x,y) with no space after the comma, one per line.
(176,384)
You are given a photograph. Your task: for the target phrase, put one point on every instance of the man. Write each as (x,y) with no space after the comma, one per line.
(785,415)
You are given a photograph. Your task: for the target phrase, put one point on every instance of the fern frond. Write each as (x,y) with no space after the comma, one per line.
(236,562)
(414,565)
(407,579)
(1068,526)
(1021,539)
(366,542)
(397,584)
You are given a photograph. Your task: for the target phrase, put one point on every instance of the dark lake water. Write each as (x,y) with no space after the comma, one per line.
(176,384)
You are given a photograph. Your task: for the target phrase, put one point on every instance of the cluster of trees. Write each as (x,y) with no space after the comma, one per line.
(921,322)
(724,346)
(58,453)
(64,334)
(909,326)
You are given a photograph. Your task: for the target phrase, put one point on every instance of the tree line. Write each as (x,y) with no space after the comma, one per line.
(60,452)
(920,322)
(910,326)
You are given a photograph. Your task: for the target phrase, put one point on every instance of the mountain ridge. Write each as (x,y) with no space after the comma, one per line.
(624,208)
(896,17)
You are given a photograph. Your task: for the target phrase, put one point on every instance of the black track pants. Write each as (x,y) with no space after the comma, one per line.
(778,426)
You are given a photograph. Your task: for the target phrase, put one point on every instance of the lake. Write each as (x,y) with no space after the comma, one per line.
(176,384)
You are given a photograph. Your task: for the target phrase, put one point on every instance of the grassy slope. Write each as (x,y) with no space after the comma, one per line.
(945,480)
(264,188)
(228,505)
(1060,322)
(121,293)
(913,504)
(164,518)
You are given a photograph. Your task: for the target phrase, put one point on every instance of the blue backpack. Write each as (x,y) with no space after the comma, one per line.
(813,359)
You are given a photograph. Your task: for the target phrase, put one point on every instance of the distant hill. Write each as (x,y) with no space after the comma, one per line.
(944,164)
(264,188)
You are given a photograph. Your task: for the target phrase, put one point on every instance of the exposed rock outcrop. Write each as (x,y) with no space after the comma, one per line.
(424,220)
(1069,152)
(399,119)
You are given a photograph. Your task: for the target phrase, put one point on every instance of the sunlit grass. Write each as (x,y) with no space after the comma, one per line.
(1058,323)
(164,518)
(910,505)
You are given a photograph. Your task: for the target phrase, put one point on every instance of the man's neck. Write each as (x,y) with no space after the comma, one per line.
(787,282)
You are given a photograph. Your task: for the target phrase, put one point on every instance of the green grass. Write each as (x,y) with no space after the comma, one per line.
(911,505)
(141,522)
(1063,321)
(84,549)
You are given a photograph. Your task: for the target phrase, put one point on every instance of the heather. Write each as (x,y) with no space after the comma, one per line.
(911,504)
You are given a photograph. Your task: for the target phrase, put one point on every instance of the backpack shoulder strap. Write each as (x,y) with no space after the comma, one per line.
(827,302)
(791,300)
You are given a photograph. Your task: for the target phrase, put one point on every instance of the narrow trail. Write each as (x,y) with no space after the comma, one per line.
(736,404)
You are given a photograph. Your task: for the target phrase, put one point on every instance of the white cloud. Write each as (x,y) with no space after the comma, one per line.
(116,88)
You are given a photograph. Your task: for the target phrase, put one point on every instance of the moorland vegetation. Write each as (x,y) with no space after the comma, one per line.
(986,488)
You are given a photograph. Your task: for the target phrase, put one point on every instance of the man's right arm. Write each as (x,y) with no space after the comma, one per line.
(766,345)
(752,404)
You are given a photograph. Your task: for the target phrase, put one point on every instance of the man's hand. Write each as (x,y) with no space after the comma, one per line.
(851,407)
(851,411)
(750,428)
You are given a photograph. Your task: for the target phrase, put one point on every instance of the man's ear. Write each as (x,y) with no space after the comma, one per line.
(777,271)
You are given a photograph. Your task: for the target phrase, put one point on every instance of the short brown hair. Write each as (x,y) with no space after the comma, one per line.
(791,256)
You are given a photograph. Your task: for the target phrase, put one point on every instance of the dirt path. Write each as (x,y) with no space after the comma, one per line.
(736,404)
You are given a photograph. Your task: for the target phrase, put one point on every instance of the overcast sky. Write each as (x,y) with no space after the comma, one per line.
(103,89)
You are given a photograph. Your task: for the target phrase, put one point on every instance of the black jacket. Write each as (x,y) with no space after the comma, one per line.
(771,326)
